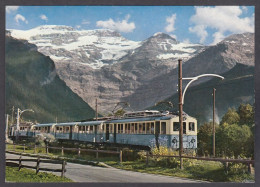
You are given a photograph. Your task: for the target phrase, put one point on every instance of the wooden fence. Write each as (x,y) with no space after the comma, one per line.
(223,160)
(79,150)
(12,163)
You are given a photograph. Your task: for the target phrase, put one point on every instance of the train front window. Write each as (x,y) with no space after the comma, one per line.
(163,128)
(191,126)
(176,126)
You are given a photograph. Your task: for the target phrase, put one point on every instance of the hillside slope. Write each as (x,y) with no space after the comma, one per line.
(236,88)
(32,82)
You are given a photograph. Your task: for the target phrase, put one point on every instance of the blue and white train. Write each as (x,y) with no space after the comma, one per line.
(145,128)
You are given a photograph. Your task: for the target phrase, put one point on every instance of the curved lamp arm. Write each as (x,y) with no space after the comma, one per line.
(196,78)
(25,111)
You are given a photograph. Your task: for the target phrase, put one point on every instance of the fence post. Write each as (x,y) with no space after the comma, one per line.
(20,163)
(38,165)
(35,148)
(79,151)
(121,156)
(47,149)
(226,167)
(63,168)
(62,151)
(147,158)
(249,168)
(23,147)
(97,154)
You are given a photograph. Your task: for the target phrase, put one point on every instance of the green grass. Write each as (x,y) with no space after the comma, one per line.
(200,170)
(193,169)
(27,175)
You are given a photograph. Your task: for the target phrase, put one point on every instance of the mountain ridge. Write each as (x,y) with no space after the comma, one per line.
(146,73)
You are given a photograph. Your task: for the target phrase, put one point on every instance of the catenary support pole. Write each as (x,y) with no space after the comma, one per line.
(96,111)
(214,90)
(180,114)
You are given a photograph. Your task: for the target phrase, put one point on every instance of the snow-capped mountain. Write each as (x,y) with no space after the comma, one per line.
(102,64)
(97,48)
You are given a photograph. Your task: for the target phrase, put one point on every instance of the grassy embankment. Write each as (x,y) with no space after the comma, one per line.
(193,169)
(27,175)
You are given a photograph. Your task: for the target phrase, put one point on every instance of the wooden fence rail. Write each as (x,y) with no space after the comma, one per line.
(79,150)
(12,163)
(223,160)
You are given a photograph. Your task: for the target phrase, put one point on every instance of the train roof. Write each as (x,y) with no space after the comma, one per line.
(86,123)
(44,125)
(152,118)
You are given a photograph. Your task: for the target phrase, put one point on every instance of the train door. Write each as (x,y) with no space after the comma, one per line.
(157,132)
(114,133)
(70,136)
(184,127)
(95,134)
(107,132)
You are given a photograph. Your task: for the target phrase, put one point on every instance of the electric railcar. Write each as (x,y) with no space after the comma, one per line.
(146,128)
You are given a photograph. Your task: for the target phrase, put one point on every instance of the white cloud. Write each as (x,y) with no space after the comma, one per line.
(85,22)
(10,9)
(223,19)
(201,32)
(121,26)
(186,41)
(170,23)
(44,17)
(245,9)
(19,18)
(78,26)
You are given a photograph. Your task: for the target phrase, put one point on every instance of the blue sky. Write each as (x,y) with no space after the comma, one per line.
(206,25)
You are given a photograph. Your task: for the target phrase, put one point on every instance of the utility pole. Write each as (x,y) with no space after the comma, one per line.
(12,115)
(96,111)
(18,120)
(214,122)
(180,114)
(17,124)
(6,127)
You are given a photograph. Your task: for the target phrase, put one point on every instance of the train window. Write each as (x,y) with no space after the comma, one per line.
(128,128)
(118,128)
(148,129)
(152,128)
(163,127)
(191,126)
(144,128)
(67,129)
(91,129)
(110,128)
(140,128)
(125,128)
(136,128)
(121,128)
(132,128)
(176,126)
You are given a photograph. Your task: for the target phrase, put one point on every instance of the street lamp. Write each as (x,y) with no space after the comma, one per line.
(181,102)
(19,113)
(196,78)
